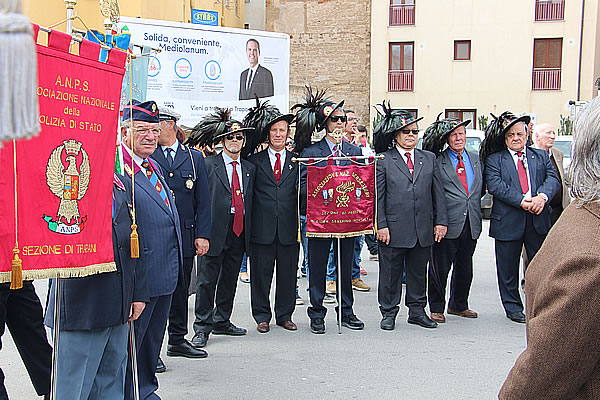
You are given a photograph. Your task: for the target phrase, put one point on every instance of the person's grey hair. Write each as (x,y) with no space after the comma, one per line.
(538,128)
(583,176)
(126,123)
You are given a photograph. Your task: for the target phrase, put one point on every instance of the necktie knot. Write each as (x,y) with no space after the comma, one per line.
(520,154)
(278,156)
(459,157)
(234,163)
(407,154)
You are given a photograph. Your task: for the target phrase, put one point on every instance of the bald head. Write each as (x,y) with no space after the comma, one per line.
(544,136)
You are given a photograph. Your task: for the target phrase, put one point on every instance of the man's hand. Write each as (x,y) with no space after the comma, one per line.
(537,204)
(526,204)
(202,246)
(383,235)
(137,307)
(439,231)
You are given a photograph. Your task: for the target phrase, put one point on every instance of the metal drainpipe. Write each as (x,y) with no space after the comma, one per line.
(580,51)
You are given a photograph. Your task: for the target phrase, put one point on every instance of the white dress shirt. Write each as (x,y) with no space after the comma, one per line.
(403,154)
(273,157)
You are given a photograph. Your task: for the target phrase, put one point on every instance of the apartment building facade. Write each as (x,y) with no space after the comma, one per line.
(470,58)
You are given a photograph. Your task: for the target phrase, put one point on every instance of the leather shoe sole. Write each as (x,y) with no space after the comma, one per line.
(289,325)
(422,321)
(468,313)
(438,317)
(263,327)
(516,317)
(230,331)
(387,324)
(185,350)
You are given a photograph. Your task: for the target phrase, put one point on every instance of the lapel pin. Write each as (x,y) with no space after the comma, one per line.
(291,166)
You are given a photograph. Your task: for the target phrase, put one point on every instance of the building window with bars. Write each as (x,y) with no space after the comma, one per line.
(547,62)
(549,10)
(401,67)
(463,115)
(402,12)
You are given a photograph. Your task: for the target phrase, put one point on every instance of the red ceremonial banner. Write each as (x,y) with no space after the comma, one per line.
(64,176)
(340,200)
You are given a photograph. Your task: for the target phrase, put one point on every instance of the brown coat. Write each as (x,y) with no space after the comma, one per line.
(558,157)
(562,359)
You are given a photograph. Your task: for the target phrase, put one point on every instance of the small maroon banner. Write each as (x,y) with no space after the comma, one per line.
(340,200)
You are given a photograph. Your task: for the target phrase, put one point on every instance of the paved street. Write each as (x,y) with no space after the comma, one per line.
(461,359)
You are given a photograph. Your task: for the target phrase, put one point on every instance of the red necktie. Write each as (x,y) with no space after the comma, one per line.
(462,174)
(237,202)
(409,163)
(522,173)
(277,170)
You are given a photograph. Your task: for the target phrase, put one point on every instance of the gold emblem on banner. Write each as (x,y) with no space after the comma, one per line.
(343,189)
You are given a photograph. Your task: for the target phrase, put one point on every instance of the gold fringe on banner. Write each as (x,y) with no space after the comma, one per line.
(16,275)
(75,272)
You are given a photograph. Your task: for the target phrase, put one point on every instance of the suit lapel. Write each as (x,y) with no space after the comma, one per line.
(146,186)
(246,177)
(418,164)
(159,157)
(559,164)
(265,164)
(401,164)
(449,170)
(221,172)
(288,167)
(180,157)
(510,166)
(476,167)
(532,160)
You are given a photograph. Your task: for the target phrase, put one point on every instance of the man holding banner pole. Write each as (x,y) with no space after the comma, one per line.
(158,226)
(411,214)
(322,114)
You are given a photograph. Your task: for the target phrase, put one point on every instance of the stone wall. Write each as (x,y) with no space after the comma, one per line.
(330,48)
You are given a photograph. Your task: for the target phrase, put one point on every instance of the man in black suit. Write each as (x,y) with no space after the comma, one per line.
(275,220)
(256,80)
(461,174)
(522,180)
(411,214)
(185,173)
(332,119)
(231,182)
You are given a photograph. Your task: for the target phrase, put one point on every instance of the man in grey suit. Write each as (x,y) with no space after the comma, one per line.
(231,182)
(411,214)
(158,227)
(462,177)
(255,81)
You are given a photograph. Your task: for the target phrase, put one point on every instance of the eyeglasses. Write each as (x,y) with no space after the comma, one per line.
(142,131)
(409,131)
(239,137)
(336,118)
(351,119)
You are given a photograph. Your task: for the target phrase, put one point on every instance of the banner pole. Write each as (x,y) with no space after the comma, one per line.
(339,281)
(341,158)
(134,368)
(56,335)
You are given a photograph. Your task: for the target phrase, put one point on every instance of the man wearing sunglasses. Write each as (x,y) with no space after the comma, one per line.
(231,182)
(411,215)
(332,119)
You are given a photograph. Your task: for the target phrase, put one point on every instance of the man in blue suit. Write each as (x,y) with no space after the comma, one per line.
(185,173)
(93,336)
(332,119)
(521,179)
(158,226)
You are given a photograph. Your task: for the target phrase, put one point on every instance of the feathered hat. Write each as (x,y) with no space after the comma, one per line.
(436,134)
(214,127)
(391,122)
(494,133)
(261,118)
(312,116)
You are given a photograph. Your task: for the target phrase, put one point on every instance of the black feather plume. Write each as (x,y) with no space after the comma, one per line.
(494,136)
(209,130)
(306,117)
(258,118)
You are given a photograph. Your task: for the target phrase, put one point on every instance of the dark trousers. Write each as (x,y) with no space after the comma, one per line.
(458,254)
(178,316)
(21,312)
(371,244)
(389,292)
(318,254)
(149,333)
(217,282)
(264,258)
(508,254)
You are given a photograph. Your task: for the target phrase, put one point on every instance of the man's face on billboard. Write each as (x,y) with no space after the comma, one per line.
(252,52)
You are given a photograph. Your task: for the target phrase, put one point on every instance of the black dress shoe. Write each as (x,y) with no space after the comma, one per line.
(160,367)
(388,323)
(516,317)
(317,325)
(230,330)
(199,340)
(422,320)
(350,321)
(185,349)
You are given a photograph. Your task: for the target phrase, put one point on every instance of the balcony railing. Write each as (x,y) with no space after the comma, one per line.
(549,10)
(402,14)
(546,79)
(401,81)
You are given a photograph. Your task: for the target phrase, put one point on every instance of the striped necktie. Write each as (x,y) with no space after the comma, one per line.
(153,177)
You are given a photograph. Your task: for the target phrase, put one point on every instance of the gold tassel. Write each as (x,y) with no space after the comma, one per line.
(135,243)
(16,280)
